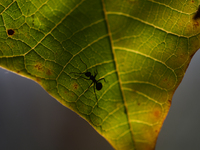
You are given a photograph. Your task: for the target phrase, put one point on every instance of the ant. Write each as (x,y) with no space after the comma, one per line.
(97,85)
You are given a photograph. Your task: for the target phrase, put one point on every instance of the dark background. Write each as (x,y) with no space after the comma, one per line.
(30,119)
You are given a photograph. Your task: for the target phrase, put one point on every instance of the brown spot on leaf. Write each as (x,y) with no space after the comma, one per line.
(169,101)
(75,86)
(72,94)
(10,31)
(165,79)
(196,24)
(38,79)
(69,94)
(48,72)
(181,56)
(156,113)
(38,66)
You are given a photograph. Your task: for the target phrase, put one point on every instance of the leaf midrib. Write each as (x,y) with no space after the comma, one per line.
(117,71)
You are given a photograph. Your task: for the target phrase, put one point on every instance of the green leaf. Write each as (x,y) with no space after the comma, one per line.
(141,49)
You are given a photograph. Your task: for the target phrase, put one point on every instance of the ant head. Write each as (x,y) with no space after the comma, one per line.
(98,86)
(88,74)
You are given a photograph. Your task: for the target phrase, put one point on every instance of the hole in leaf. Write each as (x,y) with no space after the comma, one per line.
(197,15)
(10,32)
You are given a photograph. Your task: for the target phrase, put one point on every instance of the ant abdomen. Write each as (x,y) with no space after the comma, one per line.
(98,86)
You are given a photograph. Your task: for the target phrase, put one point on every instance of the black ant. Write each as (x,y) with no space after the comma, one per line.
(98,85)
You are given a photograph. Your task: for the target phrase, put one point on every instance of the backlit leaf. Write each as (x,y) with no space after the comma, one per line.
(141,49)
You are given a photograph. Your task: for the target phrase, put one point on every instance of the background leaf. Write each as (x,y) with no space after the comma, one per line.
(156,56)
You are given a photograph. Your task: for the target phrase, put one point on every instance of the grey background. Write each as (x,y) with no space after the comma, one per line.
(30,119)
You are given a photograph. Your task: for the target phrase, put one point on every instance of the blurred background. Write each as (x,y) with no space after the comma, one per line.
(30,119)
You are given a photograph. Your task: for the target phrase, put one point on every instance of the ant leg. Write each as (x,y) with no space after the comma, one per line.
(84,78)
(79,75)
(102,79)
(95,73)
(84,63)
(87,89)
(94,89)
(76,73)
(95,92)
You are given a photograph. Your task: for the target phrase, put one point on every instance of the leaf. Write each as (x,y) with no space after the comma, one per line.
(140,48)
